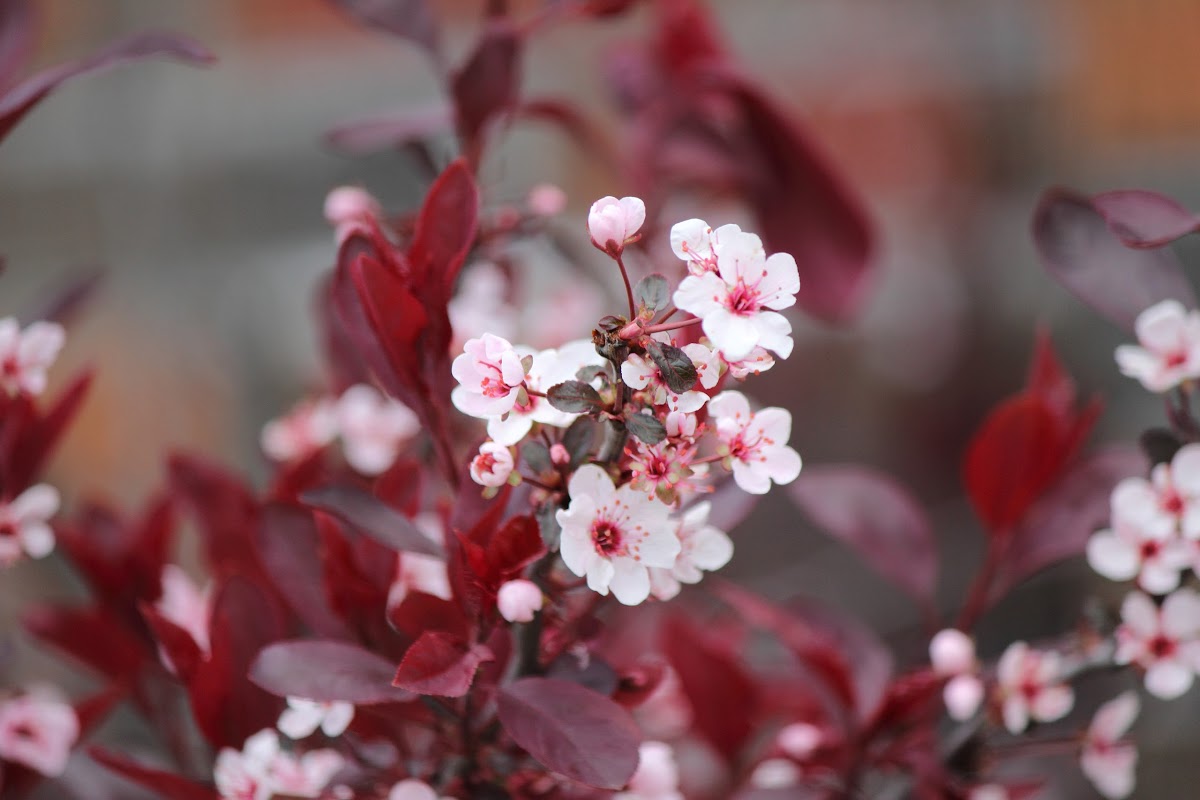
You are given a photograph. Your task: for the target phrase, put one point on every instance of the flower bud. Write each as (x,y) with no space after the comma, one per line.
(612,222)
(963,695)
(547,200)
(952,652)
(347,205)
(519,600)
(493,465)
(799,740)
(559,454)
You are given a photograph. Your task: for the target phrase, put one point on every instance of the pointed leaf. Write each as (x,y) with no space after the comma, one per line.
(370,516)
(646,428)
(677,370)
(487,85)
(326,671)
(1145,219)
(445,232)
(440,663)
(571,730)
(652,292)
(162,783)
(574,397)
(878,518)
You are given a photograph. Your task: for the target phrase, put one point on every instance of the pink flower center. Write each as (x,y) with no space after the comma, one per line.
(1172,503)
(1030,689)
(494,385)
(1150,549)
(607,538)
(485,462)
(743,300)
(1176,358)
(23,730)
(7,529)
(1162,646)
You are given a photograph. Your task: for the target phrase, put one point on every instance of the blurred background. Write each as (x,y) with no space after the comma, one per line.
(200,193)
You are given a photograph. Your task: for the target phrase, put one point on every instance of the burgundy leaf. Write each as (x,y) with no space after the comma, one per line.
(289,548)
(177,643)
(164,784)
(226,509)
(487,84)
(93,637)
(419,612)
(19,100)
(1059,525)
(515,546)
(440,663)
(723,696)
(370,516)
(407,19)
(571,730)
(29,436)
(877,517)
(377,134)
(445,232)
(326,671)
(1078,249)
(1144,219)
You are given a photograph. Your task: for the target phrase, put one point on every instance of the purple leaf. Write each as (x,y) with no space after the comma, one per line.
(326,671)
(440,663)
(368,515)
(1078,249)
(571,730)
(21,99)
(407,19)
(376,134)
(289,548)
(487,85)
(1059,525)
(164,784)
(1144,219)
(877,517)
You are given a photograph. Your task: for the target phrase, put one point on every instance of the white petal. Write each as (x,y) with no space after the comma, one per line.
(1158,578)
(781,282)
(774,332)
(1185,470)
(1112,556)
(730,405)
(1053,703)
(337,719)
(1167,680)
(700,294)
(1112,772)
(1114,718)
(600,575)
(630,582)
(510,429)
(1181,614)
(1161,327)
(591,481)
(39,502)
(752,477)
(782,463)
(710,548)
(1140,615)
(734,335)
(690,239)
(37,539)
(1134,362)
(635,214)
(298,722)
(1016,715)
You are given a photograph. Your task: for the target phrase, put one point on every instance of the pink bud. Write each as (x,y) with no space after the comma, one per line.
(612,222)
(952,652)
(519,600)
(800,740)
(559,454)
(963,695)
(346,205)
(493,465)
(547,200)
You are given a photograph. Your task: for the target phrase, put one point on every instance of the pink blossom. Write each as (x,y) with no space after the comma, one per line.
(1168,349)
(245,774)
(547,200)
(306,429)
(661,470)
(702,548)
(952,654)
(349,207)
(303,717)
(305,775)
(755,445)
(519,600)
(490,375)
(775,773)
(657,776)
(481,305)
(756,363)
(547,368)
(1165,641)
(800,740)
(37,731)
(1142,542)
(373,428)
(560,456)
(612,222)
(412,789)
(26,356)
(1109,762)
(738,303)
(642,374)
(612,535)
(695,243)
(492,465)
(185,604)
(963,694)
(24,524)
(1031,687)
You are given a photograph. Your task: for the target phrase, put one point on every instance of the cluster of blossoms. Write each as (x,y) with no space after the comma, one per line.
(631,522)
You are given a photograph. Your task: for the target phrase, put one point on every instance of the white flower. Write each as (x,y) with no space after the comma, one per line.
(306,429)
(613,535)
(519,600)
(37,731)
(302,717)
(26,356)
(1030,685)
(755,445)
(1165,641)
(303,776)
(657,776)
(1169,351)
(775,773)
(24,524)
(373,427)
(412,789)
(493,465)
(738,302)
(613,222)
(800,740)
(952,655)
(642,374)
(703,548)
(1142,542)
(346,205)
(244,774)
(756,363)
(548,368)
(695,243)
(1108,762)
(185,604)
(490,375)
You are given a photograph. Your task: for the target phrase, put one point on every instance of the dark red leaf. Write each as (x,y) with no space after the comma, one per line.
(723,696)
(177,643)
(1014,456)
(407,19)
(164,784)
(877,517)
(572,730)
(19,100)
(515,546)
(289,548)
(1059,525)
(419,612)
(487,85)
(1078,249)
(226,509)
(369,516)
(445,232)
(93,637)
(440,663)
(29,436)
(326,671)
(1144,219)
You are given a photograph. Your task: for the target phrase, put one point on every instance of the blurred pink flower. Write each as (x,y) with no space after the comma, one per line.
(26,356)
(24,524)
(37,731)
